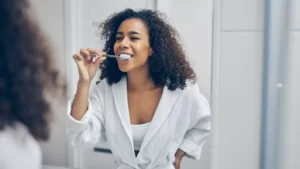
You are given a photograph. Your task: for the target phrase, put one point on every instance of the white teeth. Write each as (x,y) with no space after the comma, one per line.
(124,56)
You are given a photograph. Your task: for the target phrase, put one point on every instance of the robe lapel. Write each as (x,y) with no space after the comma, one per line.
(164,108)
(119,91)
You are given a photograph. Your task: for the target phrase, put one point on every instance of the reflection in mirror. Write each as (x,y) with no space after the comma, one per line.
(223,42)
(182,60)
(136,103)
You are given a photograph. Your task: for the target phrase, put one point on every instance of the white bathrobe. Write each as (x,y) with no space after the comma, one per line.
(181,121)
(18,149)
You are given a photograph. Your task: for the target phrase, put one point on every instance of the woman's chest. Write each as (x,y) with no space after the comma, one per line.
(142,106)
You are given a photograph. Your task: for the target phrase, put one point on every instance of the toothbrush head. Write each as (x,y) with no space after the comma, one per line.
(124,56)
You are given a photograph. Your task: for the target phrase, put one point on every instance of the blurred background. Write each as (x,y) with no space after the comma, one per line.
(245,53)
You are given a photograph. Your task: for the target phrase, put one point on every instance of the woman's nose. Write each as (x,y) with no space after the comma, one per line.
(124,43)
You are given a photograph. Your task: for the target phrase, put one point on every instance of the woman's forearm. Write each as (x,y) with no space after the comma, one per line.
(80,102)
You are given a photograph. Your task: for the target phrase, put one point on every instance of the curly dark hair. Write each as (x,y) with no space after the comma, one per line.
(168,64)
(27,74)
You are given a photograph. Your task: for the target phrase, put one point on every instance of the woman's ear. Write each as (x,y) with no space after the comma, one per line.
(150,52)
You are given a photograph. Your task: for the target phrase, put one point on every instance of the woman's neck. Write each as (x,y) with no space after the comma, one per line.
(139,80)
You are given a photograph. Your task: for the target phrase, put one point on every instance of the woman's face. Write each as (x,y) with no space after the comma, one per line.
(132,38)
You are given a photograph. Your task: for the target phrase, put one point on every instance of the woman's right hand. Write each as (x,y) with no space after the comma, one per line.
(86,67)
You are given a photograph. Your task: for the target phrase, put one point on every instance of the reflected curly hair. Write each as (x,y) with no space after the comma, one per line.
(168,65)
(26,71)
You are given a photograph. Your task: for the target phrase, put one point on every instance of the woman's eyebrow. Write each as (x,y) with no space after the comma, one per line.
(134,33)
(119,33)
(130,33)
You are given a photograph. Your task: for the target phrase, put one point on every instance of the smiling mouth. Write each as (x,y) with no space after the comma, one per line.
(125,57)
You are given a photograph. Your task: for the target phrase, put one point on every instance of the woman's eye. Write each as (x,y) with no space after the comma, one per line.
(134,38)
(118,38)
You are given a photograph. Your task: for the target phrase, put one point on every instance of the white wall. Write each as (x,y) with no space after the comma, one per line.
(193,20)
(49,14)
(237,81)
(290,136)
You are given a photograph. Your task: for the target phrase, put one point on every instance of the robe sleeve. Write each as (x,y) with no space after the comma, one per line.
(90,128)
(199,130)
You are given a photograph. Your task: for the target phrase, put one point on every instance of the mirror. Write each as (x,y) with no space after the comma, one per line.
(225,43)
(192,20)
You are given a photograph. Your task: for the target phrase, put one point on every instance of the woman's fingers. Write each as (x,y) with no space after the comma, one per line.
(97,56)
(86,54)
(99,60)
(77,57)
(96,52)
(88,60)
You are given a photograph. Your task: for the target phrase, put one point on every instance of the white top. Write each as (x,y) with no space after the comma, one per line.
(18,149)
(138,134)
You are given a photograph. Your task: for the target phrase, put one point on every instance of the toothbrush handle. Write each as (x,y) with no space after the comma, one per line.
(110,56)
(107,55)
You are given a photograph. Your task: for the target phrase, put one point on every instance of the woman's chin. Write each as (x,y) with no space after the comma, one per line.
(124,66)
(124,69)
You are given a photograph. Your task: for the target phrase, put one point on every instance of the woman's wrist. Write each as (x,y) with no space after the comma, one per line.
(83,82)
(179,154)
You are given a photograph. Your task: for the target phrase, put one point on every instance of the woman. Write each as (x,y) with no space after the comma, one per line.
(148,108)
(26,76)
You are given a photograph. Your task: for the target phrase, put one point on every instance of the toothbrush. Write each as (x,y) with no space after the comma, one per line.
(122,56)
(107,55)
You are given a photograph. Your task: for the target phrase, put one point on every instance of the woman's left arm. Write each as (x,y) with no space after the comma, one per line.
(200,122)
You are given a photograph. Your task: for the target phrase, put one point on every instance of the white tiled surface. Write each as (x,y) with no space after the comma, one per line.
(295,14)
(240,100)
(98,11)
(295,45)
(242,15)
(290,135)
(195,28)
